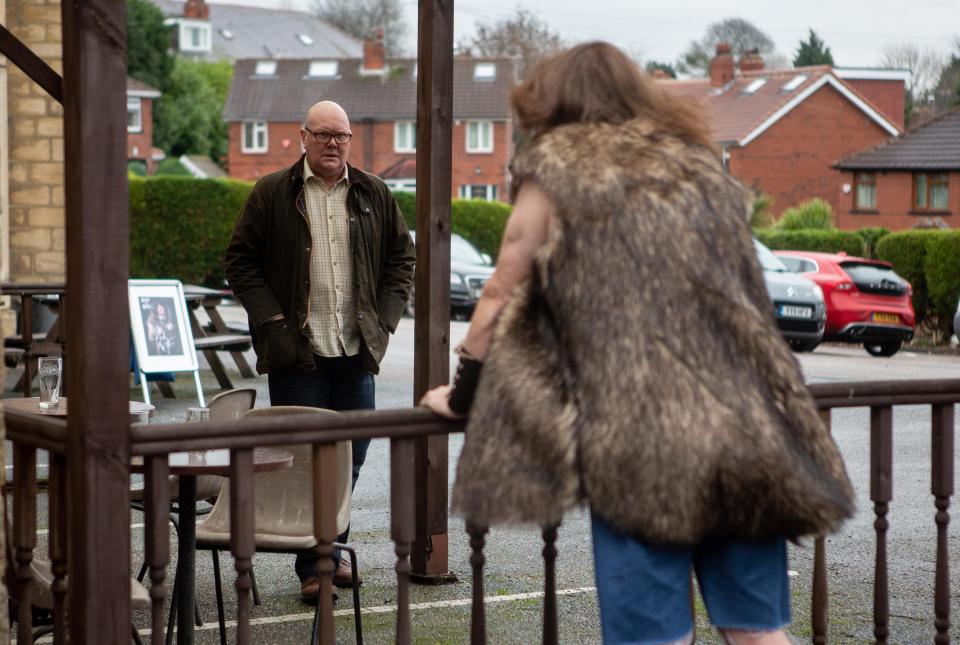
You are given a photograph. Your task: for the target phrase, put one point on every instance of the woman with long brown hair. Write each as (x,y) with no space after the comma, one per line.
(630,362)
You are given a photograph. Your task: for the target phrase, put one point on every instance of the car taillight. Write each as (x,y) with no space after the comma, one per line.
(844,286)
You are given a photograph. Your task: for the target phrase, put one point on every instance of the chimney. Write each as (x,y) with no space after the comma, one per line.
(751,61)
(374,53)
(196,9)
(721,67)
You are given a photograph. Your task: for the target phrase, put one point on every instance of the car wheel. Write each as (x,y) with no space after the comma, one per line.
(888,348)
(804,345)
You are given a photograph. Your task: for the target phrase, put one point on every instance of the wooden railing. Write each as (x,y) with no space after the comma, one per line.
(403,428)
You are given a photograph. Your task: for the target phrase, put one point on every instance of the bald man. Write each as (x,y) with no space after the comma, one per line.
(323,264)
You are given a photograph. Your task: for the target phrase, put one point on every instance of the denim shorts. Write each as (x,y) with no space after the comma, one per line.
(644,590)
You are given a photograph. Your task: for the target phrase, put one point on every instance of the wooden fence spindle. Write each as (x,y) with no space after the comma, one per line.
(942,488)
(242,534)
(819,608)
(478,621)
(881,493)
(550,633)
(157,537)
(57,496)
(25,533)
(402,529)
(325,530)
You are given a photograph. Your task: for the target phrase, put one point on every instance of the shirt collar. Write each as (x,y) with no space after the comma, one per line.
(308,173)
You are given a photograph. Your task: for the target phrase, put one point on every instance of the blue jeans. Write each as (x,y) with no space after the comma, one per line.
(644,590)
(338,383)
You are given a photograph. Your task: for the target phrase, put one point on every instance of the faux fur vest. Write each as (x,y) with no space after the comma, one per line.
(640,370)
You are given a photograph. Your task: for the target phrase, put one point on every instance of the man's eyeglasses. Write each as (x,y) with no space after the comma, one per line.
(324,137)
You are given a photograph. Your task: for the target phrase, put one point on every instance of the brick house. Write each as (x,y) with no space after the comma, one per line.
(905,182)
(781,130)
(269,98)
(140,97)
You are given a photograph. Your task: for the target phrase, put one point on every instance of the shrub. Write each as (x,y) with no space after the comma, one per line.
(824,241)
(180,227)
(171,167)
(811,214)
(760,216)
(870,236)
(479,221)
(942,272)
(907,251)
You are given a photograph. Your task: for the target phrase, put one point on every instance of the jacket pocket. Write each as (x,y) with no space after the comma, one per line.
(281,345)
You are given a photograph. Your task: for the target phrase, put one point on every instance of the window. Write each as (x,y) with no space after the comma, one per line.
(405,136)
(254,137)
(479,191)
(265,68)
(480,136)
(865,190)
(194,36)
(755,85)
(323,69)
(305,39)
(485,72)
(931,191)
(134,114)
(794,83)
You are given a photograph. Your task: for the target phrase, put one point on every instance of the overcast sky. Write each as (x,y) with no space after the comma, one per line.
(855,30)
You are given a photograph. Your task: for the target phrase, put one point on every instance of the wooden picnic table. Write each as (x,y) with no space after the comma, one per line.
(220,338)
(53,343)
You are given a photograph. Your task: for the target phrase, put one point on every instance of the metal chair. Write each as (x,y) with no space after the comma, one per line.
(283,511)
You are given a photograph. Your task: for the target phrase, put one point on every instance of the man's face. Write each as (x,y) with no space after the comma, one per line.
(326,159)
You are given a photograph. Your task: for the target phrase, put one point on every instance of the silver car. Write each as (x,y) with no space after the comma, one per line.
(798,304)
(469,271)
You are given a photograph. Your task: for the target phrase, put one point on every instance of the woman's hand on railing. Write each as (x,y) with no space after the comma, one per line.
(438,400)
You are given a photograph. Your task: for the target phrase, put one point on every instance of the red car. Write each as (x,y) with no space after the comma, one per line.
(866,301)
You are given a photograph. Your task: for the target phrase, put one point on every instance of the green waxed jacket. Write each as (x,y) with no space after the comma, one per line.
(267,264)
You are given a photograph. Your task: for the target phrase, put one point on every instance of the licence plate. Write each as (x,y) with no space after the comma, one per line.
(885,318)
(792,311)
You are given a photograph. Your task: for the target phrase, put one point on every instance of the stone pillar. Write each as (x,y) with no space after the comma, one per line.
(36,200)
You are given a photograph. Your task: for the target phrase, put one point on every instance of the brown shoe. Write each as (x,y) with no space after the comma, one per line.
(343,576)
(310,590)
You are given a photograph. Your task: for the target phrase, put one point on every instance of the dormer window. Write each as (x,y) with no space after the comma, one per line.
(266,68)
(194,36)
(794,82)
(323,69)
(305,39)
(755,85)
(485,72)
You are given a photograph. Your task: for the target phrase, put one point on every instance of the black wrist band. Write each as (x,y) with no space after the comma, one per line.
(465,385)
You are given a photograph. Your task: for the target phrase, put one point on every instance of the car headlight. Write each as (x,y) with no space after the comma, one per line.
(456,278)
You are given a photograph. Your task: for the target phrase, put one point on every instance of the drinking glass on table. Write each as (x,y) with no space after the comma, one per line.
(196,415)
(50,373)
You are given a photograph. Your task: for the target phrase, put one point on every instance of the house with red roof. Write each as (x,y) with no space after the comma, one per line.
(781,131)
(140,148)
(912,180)
(268,99)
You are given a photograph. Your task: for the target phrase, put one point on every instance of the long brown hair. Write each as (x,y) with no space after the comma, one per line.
(597,83)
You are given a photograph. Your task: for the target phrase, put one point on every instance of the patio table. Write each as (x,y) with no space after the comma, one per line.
(32,404)
(188,465)
(52,343)
(221,338)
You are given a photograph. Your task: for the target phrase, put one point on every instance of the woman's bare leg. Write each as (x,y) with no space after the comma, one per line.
(744,637)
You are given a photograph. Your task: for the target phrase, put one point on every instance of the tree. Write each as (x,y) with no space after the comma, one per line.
(812,52)
(361,18)
(739,33)
(148,44)
(655,65)
(188,117)
(523,37)
(927,68)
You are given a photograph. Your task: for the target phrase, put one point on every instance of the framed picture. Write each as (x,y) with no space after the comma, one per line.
(162,337)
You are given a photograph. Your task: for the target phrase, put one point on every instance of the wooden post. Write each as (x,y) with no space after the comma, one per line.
(881,492)
(432,326)
(942,488)
(95,136)
(819,606)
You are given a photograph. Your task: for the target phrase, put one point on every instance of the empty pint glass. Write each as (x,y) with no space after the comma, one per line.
(50,373)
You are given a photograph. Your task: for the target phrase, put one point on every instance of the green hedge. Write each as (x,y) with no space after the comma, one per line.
(942,270)
(907,251)
(479,221)
(825,241)
(180,227)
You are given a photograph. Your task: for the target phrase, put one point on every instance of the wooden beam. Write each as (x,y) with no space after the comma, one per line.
(432,327)
(98,426)
(32,65)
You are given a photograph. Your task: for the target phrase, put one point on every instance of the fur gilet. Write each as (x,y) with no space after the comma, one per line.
(640,370)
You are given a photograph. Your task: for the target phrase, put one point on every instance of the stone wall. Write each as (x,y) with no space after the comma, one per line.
(37,235)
